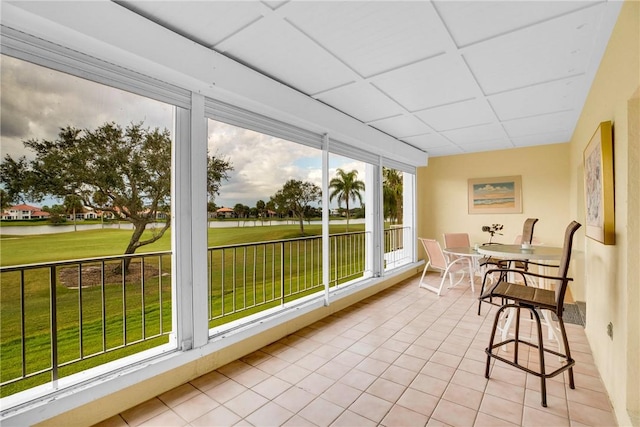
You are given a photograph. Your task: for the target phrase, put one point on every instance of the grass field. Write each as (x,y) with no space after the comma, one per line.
(133,313)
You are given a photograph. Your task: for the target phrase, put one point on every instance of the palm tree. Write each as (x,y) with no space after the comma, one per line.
(392,194)
(346,186)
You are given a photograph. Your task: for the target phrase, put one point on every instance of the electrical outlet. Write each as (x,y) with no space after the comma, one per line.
(610,330)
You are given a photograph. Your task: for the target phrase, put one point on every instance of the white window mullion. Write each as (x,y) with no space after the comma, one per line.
(189,235)
(326,259)
(198,204)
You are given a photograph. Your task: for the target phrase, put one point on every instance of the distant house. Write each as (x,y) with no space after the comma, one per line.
(85,213)
(225,213)
(23,211)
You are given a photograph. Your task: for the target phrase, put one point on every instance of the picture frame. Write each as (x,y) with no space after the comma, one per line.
(599,186)
(495,195)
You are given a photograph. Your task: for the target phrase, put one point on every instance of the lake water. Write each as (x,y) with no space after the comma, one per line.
(51,229)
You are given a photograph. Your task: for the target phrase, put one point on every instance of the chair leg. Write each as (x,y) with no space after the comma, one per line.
(491,339)
(543,375)
(567,352)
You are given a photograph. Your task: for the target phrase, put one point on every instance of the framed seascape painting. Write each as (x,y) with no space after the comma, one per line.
(495,195)
(599,186)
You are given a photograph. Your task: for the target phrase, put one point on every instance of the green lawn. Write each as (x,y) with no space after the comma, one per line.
(134,312)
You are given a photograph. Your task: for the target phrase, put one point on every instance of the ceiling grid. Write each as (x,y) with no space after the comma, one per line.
(446,77)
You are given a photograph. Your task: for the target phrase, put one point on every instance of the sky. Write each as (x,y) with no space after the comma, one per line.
(35,102)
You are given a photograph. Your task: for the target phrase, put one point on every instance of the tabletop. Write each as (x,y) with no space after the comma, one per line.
(548,253)
(463,251)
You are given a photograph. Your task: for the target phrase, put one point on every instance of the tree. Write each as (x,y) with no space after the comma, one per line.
(4,200)
(392,194)
(261,207)
(217,170)
(72,204)
(122,171)
(294,197)
(346,186)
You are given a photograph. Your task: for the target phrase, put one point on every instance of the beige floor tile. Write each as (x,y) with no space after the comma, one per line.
(418,401)
(485,420)
(399,375)
(341,394)
(358,379)
(464,396)
(401,416)
(385,355)
(315,383)
(351,419)
(294,399)
(372,366)
(385,389)
(429,385)
(271,387)
(270,414)
(533,417)
(412,363)
(179,394)
(292,374)
(321,412)
(220,416)
(371,407)
(590,416)
(195,407)
(166,419)
(312,361)
(245,403)
(143,412)
(225,391)
(453,414)
(502,408)
(208,381)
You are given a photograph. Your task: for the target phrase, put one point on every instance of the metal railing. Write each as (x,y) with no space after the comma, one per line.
(247,278)
(74,314)
(395,251)
(63,317)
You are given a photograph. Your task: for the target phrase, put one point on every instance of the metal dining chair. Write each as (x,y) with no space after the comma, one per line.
(535,300)
(438,261)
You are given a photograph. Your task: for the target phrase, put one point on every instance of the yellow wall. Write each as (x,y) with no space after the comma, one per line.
(606,277)
(611,272)
(442,193)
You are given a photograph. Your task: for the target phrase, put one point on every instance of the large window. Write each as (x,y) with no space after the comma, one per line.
(87,278)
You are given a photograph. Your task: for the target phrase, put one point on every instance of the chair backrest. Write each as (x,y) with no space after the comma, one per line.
(434,252)
(518,240)
(563,267)
(456,240)
(527,230)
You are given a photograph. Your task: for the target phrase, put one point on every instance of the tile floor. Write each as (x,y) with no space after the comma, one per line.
(404,357)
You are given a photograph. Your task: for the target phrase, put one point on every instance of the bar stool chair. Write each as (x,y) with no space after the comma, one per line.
(534,299)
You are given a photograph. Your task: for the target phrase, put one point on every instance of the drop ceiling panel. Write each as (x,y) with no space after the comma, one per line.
(362,101)
(539,99)
(476,134)
(549,123)
(542,139)
(498,17)
(371,37)
(281,51)
(436,81)
(401,126)
(428,141)
(553,50)
(458,115)
(207,22)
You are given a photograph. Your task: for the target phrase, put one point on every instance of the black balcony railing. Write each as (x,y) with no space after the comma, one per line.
(64,317)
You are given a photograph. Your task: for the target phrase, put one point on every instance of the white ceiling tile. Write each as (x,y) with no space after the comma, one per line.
(487,146)
(549,123)
(282,52)
(437,81)
(539,99)
(458,115)
(476,134)
(462,18)
(553,50)
(428,141)
(444,151)
(361,101)
(401,126)
(206,22)
(372,37)
(542,139)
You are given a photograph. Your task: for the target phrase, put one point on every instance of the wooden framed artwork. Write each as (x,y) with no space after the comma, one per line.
(495,195)
(599,186)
